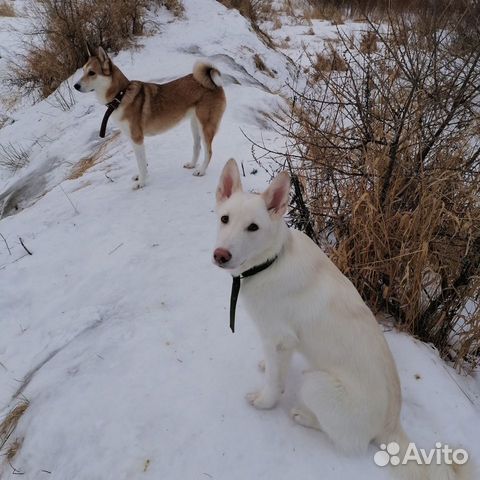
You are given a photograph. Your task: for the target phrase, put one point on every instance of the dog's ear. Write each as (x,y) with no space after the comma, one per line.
(105,61)
(276,195)
(229,181)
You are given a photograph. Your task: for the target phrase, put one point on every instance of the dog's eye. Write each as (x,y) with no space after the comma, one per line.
(253,227)
(224,219)
(91,73)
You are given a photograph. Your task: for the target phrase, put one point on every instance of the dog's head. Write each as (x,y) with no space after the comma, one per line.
(248,224)
(97,73)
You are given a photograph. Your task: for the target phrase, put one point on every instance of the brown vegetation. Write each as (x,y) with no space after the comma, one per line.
(385,160)
(6,9)
(7,427)
(327,9)
(68,26)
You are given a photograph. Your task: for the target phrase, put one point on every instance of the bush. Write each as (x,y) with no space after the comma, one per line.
(327,8)
(67,27)
(385,160)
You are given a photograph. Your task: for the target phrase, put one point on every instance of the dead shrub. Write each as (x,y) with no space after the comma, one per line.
(67,27)
(329,61)
(13,157)
(6,9)
(385,160)
(371,8)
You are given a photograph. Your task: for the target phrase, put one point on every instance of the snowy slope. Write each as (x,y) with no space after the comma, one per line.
(116,328)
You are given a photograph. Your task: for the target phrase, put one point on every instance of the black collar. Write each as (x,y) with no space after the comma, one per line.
(236,286)
(111,106)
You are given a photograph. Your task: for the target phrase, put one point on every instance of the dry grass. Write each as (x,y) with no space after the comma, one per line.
(277,23)
(329,12)
(328,61)
(337,11)
(68,26)
(175,6)
(88,162)
(7,427)
(13,449)
(368,42)
(13,157)
(261,66)
(6,9)
(385,163)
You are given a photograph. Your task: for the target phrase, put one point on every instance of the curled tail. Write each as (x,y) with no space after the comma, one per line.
(394,447)
(207,75)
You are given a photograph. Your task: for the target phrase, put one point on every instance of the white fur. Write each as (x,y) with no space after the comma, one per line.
(303,303)
(216,79)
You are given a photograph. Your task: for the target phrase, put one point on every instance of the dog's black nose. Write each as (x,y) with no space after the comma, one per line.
(221,256)
(77,86)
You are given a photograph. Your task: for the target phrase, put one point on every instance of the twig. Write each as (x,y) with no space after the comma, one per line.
(68,198)
(8,248)
(113,181)
(15,471)
(23,245)
(16,260)
(115,249)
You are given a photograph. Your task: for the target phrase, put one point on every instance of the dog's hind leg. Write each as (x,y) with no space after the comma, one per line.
(139,150)
(196,142)
(333,407)
(207,138)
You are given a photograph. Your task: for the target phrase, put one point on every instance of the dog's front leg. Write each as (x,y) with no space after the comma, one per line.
(277,361)
(139,150)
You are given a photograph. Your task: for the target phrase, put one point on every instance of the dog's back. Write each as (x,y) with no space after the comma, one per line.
(159,107)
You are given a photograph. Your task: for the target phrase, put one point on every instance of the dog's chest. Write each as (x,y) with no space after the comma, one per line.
(262,301)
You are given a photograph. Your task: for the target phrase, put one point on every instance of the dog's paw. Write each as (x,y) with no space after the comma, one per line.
(304,418)
(199,173)
(138,185)
(261,400)
(261,365)
(135,178)
(189,165)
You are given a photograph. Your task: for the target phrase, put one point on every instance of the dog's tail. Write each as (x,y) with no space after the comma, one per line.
(398,444)
(207,75)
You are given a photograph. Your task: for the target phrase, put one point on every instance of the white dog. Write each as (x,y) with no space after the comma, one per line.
(301,302)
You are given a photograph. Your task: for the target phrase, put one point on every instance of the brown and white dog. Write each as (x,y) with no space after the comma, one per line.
(146,109)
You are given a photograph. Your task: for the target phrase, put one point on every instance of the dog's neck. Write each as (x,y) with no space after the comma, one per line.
(274,250)
(118,82)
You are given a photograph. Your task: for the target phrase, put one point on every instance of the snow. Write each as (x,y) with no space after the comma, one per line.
(119,319)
